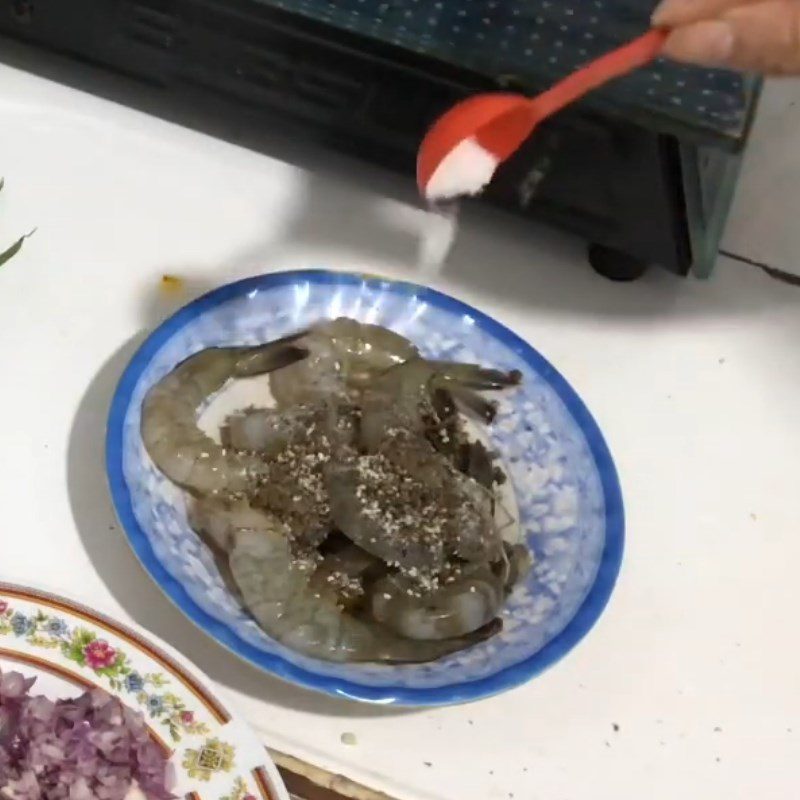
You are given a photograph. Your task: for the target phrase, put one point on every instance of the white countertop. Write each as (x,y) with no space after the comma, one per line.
(695,385)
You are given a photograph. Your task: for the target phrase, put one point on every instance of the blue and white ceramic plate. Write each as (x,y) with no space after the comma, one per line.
(563,476)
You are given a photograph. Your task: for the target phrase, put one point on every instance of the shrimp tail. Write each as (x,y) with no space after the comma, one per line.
(473,376)
(483,409)
(269,358)
(476,461)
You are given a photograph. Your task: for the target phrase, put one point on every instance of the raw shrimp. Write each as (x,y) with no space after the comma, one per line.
(218,520)
(409,505)
(474,536)
(396,414)
(390,515)
(260,430)
(171,435)
(297,444)
(342,356)
(268,431)
(445,430)
(277,591)
(456,604)
(475,460)
(355,520)
(520,561)
(406,395)
(465,604)
(345,570)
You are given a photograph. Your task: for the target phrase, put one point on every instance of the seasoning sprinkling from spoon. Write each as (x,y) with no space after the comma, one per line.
(462,151)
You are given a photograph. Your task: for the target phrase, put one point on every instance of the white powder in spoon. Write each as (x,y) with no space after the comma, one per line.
(464,172)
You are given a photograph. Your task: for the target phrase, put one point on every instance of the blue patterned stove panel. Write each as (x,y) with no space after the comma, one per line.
(539,41)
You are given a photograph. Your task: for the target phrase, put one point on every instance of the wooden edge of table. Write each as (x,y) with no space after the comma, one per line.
(306,782)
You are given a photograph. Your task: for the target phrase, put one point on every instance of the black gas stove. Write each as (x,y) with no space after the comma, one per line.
(644,170)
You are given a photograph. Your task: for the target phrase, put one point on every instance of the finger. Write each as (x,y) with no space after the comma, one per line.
(764,37)
(674,13)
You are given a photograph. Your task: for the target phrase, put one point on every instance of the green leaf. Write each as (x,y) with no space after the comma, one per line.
(73,652)
(107,672)
(83,636)
(2,183)
(173,732)
(15,248)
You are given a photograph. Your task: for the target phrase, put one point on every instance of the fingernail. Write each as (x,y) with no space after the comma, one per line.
(662,10)
(710,43)
(668,11)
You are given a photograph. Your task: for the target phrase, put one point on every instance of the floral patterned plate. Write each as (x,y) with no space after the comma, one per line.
(70,648)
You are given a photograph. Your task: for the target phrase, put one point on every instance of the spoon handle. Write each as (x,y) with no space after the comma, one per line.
(619,62)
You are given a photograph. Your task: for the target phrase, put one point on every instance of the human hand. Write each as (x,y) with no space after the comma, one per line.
(751,35)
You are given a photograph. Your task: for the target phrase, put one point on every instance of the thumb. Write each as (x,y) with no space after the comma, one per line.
(763,37)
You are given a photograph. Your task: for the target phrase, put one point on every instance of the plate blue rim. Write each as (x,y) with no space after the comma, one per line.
(586,616)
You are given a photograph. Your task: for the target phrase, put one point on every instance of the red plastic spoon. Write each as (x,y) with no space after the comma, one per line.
(460,153)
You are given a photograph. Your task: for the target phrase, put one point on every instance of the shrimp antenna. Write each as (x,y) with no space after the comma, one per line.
(510,519)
